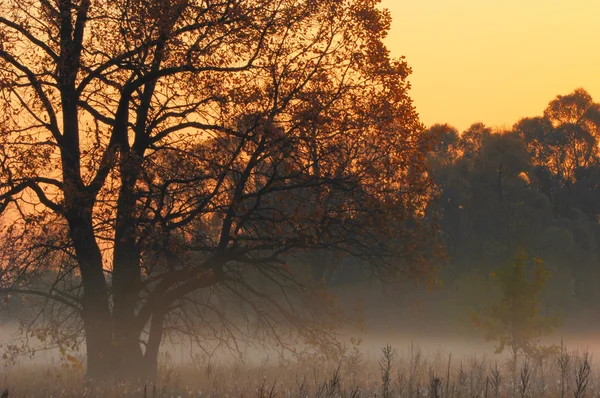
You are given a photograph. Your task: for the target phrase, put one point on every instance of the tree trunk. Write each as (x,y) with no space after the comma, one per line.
(154,340)
(131,365)
(112,339)
(100,353)
(95,312)
(127,276)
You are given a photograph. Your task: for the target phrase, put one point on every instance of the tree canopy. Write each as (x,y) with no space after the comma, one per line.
(161,159)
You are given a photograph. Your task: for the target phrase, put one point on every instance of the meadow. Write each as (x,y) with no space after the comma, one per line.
(388,372)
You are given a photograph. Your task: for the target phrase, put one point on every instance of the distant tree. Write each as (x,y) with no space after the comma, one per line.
(537,133)
(536,186)
(566,138)
(515,322)
(445,142)
(471,140)
(483,195)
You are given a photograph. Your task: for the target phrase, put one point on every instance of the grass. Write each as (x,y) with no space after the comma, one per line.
(390,373)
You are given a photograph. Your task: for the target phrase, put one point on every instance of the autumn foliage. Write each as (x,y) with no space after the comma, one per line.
(164,164)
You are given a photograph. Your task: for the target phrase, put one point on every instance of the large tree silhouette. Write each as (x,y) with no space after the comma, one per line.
(156,153)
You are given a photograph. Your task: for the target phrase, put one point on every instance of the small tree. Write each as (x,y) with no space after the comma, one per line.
(515,322)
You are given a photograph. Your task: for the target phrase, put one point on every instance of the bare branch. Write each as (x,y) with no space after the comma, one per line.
(58,298)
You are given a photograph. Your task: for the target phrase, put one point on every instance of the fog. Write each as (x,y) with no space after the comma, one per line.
(401,315)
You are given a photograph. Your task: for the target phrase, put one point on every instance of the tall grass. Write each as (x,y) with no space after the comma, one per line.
(392,373)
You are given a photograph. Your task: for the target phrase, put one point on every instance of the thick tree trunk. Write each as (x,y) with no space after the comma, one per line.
(96,313)
(127,276)
(100,354)
(131,365)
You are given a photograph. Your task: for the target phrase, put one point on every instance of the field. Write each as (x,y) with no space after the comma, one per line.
(388,372)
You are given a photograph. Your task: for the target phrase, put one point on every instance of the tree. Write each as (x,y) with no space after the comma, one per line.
(471,140)
(515,322)
(565,139)
(164,158)
(484,197)
(445,145)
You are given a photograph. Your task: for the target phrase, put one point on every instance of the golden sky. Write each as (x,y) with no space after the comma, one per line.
(495,61)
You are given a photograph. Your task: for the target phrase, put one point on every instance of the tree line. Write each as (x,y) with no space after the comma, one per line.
(535,186)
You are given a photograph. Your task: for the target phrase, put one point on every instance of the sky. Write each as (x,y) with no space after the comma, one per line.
(495,61)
